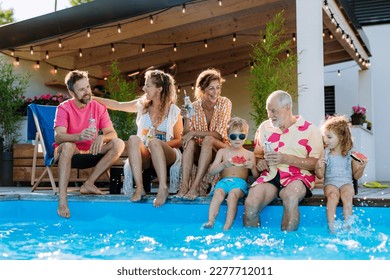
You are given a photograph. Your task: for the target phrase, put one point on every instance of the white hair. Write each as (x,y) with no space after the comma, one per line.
(283,97)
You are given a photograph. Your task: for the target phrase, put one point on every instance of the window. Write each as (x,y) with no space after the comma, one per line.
(330,104)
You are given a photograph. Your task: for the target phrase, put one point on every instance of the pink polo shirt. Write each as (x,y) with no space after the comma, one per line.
(75,119)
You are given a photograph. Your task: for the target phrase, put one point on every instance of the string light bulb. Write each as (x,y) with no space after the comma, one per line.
(192,86)
(17,61)
(234,37)
(112,47)
(183,8)
(235,74)
(55,69)
(151,19)
(47,54)
(80,53)
(143,47)
(12,52)
(174,47)
(205,43)
(326,5)
(59,43)
(338,73)
(330,35)
(220,3)
(293,37)
(37,66)
(31,50)
(264,39)
(288,53)
(119,28)
(88,33)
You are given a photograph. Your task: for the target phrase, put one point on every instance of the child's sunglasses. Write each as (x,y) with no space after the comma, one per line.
(240,136)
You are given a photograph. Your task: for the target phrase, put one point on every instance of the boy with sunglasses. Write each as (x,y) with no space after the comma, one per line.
(234,163)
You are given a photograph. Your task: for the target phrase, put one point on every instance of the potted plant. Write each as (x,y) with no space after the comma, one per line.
(274,67)
(12,89)
(358,116)
(121,90)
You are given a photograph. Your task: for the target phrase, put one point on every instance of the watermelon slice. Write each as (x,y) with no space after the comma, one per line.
(358,156)
(238,160)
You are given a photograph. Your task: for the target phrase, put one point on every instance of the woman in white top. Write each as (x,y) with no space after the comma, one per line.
(157,112)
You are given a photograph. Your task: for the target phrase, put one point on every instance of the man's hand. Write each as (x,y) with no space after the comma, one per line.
(273,158)
(96,145)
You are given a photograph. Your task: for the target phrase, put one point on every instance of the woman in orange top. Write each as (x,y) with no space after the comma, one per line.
(204,133)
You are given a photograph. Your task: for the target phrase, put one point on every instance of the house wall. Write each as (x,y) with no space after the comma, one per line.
(370,88)
(379,36)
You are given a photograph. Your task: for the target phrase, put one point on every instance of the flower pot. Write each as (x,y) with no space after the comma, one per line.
(357,119)
(7,169)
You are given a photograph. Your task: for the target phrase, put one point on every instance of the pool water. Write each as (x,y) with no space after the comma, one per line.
(124,230)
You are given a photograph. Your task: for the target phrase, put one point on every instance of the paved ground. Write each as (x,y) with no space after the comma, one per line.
(365,197)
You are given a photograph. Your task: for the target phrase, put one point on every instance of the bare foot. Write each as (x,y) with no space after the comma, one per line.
(90,189)
(161,197)
(139,193)
(208,225)
(192,194)
(63,209)
(226,227)
(182,191)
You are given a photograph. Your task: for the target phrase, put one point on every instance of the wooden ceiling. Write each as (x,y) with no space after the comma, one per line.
(202,20)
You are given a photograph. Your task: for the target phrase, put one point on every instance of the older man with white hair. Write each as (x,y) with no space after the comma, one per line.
(287,149)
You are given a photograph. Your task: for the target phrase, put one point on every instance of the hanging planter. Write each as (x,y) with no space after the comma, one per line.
(359,115)
(357,119)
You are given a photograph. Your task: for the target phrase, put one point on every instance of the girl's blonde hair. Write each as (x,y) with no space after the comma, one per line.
(237,123)
(339,125)
(168,93)
(204,79)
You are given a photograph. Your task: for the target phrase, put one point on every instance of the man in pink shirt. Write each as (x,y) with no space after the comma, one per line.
(287,148)
(73,136)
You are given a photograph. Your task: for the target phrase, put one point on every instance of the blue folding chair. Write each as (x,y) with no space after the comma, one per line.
(41,129)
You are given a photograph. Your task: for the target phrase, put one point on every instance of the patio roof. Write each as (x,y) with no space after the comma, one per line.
(140,44)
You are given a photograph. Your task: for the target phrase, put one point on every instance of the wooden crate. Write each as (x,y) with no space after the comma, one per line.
(23,160)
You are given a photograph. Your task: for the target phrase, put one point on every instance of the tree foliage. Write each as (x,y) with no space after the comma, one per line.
(121,90)
(12,90)
(272,68)
(79,2)
(6,16)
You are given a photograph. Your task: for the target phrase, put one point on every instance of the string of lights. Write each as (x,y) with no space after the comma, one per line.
(142,46)
(344,35)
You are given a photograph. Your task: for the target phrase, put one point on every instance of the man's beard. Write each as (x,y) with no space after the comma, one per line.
(275,123)
(85,99)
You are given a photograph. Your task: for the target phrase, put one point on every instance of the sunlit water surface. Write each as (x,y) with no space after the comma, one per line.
(124,230)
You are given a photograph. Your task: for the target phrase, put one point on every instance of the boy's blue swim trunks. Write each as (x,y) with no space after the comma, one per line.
(229,183)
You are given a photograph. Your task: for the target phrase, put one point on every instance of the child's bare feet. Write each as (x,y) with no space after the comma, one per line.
(209,224)
(63,209)
(226,227)
(90,189)
(139,193)
(161,197)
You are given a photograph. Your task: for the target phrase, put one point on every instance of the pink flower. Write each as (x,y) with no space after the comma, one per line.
(359,110)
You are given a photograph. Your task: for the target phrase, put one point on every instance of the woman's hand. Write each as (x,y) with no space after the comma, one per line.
(186,138)
(184,112)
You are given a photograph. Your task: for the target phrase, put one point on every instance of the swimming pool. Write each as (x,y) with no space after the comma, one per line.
(125,230)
